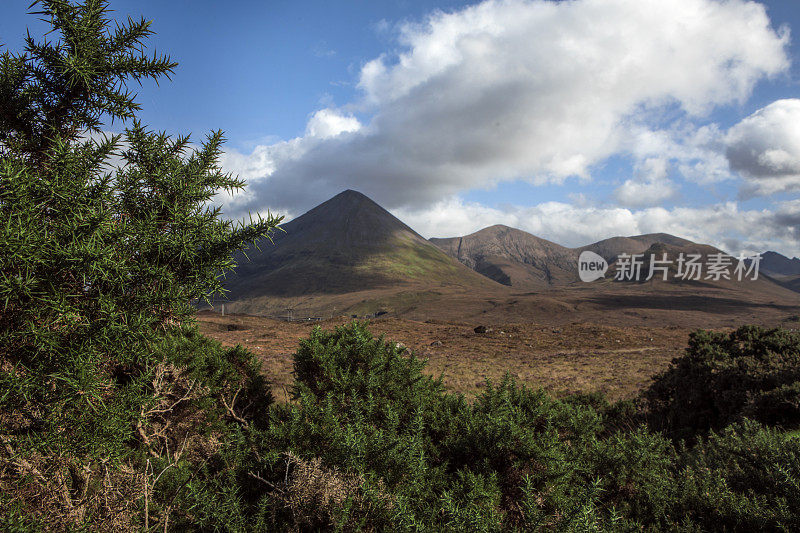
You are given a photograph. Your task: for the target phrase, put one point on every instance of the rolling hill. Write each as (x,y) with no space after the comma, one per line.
(513,257)
(609,249)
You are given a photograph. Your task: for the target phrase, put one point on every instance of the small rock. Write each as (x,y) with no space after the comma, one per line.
(482,329)
(400,346)
(436,343)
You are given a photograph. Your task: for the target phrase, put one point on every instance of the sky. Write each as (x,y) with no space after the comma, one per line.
(574,120)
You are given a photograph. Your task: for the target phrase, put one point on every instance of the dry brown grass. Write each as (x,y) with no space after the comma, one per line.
(314,492)
(580,357)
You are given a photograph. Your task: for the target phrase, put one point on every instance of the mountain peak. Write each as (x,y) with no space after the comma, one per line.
(349,218)
(512,257)
(348,243)
(775,263)
(351,193)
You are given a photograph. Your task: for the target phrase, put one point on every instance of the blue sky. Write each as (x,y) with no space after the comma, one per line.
(575,121)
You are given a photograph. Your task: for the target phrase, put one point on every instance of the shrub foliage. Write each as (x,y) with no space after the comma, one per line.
(371,443)
(105,241)
(752,372)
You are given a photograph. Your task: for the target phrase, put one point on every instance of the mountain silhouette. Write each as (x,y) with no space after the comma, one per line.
(346,244)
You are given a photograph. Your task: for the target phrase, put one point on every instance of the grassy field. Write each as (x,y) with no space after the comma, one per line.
(580,357)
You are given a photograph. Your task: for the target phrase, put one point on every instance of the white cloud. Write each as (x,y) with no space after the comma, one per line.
(650,187)
(644,193)
(698,153)
(538,90)
(327,123)
(765,149)
(723,225)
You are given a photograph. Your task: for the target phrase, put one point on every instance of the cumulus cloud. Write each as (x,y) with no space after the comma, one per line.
(520,89)
(787,220)
(765,148)
(327,123)
(650,187)
(724,225)
(634,193)
(698,153)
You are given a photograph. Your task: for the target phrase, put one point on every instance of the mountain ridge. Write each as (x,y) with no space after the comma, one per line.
(520,259)
(778,264)
(350,256)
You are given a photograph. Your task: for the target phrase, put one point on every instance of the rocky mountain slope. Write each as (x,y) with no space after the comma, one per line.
(513,257)
(519,259)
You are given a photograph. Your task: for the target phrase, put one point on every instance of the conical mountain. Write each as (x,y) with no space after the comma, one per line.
(346,244)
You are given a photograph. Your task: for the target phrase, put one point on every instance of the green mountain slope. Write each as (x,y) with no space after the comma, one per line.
(344,245)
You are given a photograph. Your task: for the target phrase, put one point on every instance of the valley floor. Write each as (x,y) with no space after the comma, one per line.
(578,357)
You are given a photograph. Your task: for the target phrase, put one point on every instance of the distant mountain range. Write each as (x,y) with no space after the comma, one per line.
(518,259)
(776,264)
(349,254)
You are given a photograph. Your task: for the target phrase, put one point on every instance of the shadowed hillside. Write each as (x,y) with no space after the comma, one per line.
(792,282)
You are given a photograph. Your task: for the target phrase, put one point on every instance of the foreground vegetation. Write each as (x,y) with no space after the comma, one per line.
(116,414)
(369,443)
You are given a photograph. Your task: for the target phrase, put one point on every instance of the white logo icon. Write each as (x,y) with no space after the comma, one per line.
(591,266)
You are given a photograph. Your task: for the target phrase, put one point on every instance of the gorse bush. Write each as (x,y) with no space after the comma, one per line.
(105,239)
(370,443)
(745,478)
(752,372)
